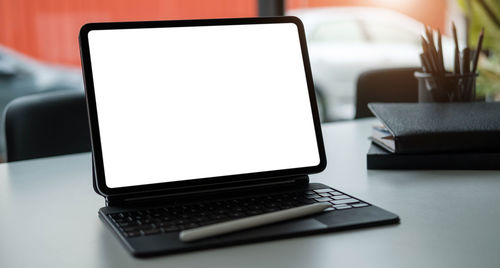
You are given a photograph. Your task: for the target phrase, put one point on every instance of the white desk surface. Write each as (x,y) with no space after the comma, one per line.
(48,218)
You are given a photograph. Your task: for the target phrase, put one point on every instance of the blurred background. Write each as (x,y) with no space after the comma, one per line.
(39,39)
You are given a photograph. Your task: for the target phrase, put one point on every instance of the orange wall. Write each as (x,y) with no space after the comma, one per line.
(48,29)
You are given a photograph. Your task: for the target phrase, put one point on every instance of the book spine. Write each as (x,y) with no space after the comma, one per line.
(462,161)
(448,142)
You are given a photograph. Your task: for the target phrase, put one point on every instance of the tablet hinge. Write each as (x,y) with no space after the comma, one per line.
(229,189)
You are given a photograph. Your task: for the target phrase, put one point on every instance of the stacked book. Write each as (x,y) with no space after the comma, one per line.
(435,136)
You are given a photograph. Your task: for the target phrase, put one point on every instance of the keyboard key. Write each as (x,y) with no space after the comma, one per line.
(222,217)
(234,215)
(336,193)
(323,199)
(150,231)
(171,229)
(267,210)
(344,201)
(132,229)
(115,216)
(187,226)
(325,194)
(338,197)
(340,206)
(124,224)
(200,219)
(254,212)
(273,204)
(343,207)
(319,191)
(359,205)
(330,209)
(133,234)
(119,220)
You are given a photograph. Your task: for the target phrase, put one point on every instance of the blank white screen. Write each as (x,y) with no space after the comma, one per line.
(196,102)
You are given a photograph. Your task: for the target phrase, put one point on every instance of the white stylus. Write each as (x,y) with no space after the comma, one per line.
(250,222)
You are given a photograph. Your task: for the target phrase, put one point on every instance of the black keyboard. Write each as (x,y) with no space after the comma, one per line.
(165,219)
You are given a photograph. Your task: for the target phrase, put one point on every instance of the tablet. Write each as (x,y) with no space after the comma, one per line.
(176,104)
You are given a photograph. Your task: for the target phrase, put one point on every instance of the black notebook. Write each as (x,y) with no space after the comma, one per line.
(437,127)
(378,158)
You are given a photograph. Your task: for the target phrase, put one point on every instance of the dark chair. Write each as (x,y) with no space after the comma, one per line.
(385,85)
(46,124)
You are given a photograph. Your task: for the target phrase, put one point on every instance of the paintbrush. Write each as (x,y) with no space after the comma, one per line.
(426,51)
(440,52)
(478,51)
(456,66)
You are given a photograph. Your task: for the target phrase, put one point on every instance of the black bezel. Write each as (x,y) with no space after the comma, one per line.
(93,118)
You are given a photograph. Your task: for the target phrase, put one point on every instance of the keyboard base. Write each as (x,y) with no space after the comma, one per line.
(169,243)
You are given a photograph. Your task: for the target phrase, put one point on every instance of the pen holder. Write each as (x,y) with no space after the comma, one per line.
(447,88)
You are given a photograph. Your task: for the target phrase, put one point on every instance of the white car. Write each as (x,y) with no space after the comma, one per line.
(344,42)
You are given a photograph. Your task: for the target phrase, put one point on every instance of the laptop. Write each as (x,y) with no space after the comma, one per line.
(199,122)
